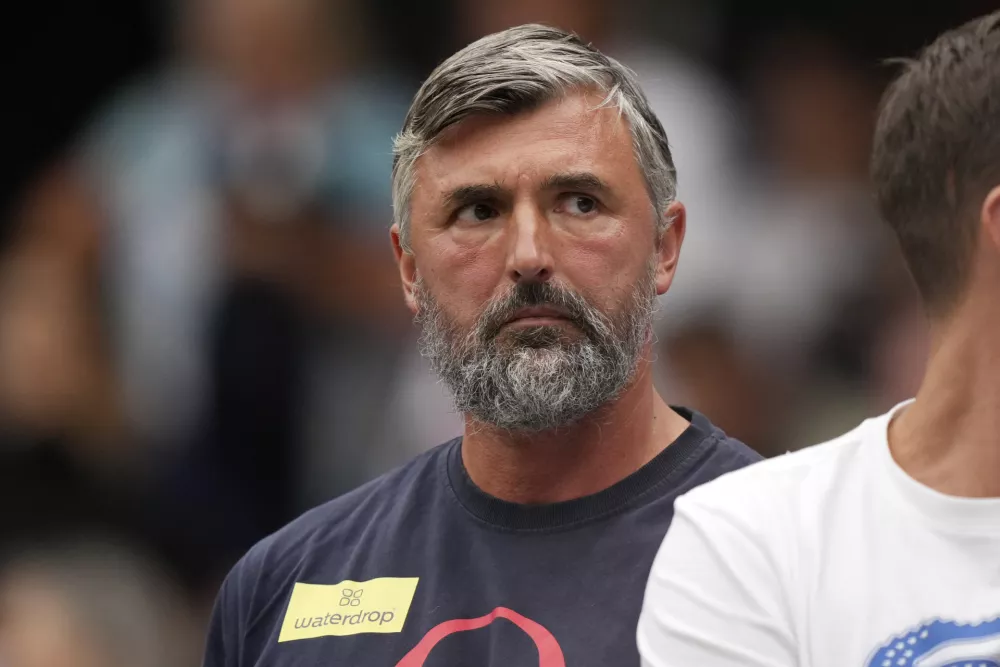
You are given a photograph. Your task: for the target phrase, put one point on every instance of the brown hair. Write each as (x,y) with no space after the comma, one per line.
(937,152)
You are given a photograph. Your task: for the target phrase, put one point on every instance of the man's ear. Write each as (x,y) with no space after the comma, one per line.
(989,216)
(407,269)
(669,250)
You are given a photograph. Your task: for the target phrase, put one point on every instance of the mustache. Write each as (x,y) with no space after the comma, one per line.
(528,295)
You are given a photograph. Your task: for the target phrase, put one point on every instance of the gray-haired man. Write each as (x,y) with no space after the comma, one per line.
(535,224)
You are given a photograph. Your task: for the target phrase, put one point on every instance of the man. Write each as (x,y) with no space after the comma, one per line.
(535,225)
(882,547)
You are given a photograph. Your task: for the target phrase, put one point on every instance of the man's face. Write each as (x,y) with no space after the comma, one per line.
(535,266)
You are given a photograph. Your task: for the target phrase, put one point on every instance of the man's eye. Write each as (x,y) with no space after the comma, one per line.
(476,213)
(579,205)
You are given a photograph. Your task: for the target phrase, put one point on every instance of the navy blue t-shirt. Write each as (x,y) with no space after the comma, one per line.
(421,568)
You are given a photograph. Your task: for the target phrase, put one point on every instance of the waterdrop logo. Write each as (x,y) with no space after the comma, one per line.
(347,608)
(943,644)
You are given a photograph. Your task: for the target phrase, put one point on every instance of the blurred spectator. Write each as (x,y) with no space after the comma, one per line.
(260,156)
(91,604)
(814,233)
(813,253)
(56,383)
(65,456)
(233,212)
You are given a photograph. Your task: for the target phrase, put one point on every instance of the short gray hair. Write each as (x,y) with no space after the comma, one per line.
(516,70)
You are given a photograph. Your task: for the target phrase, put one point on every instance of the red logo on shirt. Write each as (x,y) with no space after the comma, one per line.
(549,652)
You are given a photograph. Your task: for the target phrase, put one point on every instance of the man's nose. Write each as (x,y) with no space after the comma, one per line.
(530,257)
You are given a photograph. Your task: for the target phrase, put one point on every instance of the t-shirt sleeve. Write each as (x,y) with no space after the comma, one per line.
(224,643)
(715,596)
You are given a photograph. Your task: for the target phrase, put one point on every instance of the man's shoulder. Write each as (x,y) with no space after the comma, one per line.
(732,454)
(339,523)
(718,453)
(787,481)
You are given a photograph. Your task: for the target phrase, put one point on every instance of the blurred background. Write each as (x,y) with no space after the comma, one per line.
(201,328)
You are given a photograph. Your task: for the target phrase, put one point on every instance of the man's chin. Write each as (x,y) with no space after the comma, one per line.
(539,337)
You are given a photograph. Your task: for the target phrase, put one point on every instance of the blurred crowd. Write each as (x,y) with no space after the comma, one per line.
(202,332)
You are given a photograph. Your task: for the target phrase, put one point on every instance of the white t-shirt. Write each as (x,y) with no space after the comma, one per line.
(828,557)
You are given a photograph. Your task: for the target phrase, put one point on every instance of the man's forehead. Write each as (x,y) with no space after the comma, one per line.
(571,133)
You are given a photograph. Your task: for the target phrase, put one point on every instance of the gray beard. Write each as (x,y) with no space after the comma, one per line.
(538,378)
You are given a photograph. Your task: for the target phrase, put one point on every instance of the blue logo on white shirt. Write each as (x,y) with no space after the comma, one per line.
(943,644)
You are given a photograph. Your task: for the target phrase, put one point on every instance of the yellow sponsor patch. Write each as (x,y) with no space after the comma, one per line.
(347,608)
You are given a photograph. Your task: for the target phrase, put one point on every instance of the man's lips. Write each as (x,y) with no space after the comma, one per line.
(538,316)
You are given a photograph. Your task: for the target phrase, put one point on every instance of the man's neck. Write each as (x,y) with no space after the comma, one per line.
(949,439)
(576,461)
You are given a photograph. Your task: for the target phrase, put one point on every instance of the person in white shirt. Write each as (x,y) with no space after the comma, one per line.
(882,547)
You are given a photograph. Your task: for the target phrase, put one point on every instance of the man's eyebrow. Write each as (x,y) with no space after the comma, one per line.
(584,181)
(471,194)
